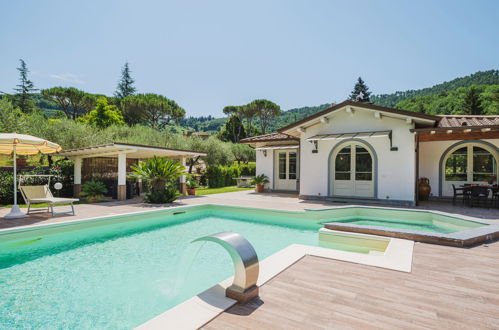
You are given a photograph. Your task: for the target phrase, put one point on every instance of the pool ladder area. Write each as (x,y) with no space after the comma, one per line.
(246,265)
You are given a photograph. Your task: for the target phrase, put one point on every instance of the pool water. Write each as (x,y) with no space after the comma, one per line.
(426,226)
(121,275)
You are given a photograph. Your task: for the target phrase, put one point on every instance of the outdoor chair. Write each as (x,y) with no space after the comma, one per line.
(458,192)
(42,194)
(479,194)
(495,195)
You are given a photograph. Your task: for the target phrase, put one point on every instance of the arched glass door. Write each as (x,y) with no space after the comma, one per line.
(469,163)
(353,171)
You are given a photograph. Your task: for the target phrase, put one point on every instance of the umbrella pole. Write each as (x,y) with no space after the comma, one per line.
(15,212)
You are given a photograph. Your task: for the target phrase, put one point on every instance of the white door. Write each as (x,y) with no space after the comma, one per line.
(286,169)
(353,171)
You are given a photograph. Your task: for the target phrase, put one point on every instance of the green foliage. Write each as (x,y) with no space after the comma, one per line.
(160,176)
(151,109)
(260,180)
(490,77)
(93,189)
(23,97)
(223,176)
(214,125)
(265,110)
(72,101)
(104,115)
(167,195)
(360,92)
(192,182)
(233,130)
(454,102)
(472,104)
(243,153)
(61,171)
(10,118)
(125,85)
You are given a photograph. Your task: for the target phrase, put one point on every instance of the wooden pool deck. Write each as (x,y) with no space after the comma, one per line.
(448,288)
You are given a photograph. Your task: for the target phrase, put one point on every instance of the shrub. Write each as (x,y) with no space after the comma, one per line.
(160,176)
(222,176)
(260,180)
(93,189)
(167,195)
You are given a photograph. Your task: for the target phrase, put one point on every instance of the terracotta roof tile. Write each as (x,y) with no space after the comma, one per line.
(465,120)
(272,137)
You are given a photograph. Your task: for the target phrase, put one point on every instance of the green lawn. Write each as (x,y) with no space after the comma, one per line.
(210,191)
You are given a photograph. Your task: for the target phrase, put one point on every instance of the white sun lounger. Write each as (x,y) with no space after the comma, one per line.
(42,194)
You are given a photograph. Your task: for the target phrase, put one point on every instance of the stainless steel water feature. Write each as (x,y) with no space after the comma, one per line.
(246,267)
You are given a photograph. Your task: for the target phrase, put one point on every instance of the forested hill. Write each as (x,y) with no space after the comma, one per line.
(213,125)
(490,77)
(444,98)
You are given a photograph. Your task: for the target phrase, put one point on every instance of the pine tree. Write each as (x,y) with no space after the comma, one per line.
(472,103)
(360,92)
(22,98)
(125,85)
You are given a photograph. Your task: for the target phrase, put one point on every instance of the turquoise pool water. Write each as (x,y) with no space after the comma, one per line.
(122,274)
(426,226)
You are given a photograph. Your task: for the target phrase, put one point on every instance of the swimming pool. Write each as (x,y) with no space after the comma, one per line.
(118,272)
(122,273)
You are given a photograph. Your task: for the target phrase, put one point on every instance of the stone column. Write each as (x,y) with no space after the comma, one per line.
(77,177)
(122,176)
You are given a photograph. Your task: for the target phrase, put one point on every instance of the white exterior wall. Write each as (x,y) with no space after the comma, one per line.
(395,169)
(429,159)
(265,165)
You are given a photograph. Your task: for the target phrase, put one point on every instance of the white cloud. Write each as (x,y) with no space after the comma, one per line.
(69,77)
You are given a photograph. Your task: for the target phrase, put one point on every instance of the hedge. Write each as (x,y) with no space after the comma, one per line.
(223,176)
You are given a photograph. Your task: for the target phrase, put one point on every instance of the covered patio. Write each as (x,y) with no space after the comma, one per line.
(111,162)
(462,150)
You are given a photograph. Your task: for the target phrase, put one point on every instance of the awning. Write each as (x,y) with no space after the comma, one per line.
(341,136)
(277,148)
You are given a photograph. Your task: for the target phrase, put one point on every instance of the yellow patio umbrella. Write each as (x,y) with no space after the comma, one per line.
(19,144)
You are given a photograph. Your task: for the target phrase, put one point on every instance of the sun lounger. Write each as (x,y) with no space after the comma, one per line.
(42,194)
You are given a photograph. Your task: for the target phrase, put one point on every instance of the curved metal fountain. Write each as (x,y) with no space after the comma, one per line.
(246,267)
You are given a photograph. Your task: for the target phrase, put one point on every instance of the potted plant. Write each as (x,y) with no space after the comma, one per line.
(192,184)
(260,181)
(93,190)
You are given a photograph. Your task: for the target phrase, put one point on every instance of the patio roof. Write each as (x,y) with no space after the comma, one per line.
(136,151)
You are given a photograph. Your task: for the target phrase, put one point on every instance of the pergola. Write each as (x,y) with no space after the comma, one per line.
(123,151)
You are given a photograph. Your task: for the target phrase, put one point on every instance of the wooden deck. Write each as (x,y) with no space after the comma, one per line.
(449,288)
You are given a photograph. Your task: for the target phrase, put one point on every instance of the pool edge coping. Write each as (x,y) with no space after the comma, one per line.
(204,307)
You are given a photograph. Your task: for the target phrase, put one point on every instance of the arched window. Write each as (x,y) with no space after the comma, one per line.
(468,163)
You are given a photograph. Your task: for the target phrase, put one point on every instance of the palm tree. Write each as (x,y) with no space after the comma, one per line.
(157,172)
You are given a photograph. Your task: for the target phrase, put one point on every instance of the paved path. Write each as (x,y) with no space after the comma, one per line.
(448,288)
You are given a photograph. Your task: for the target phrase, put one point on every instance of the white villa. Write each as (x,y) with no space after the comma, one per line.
(362,151)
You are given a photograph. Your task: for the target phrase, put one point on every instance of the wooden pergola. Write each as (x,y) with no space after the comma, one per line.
(123,152)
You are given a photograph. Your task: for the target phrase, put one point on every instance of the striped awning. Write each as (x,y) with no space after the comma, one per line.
(340,136)
(26,144)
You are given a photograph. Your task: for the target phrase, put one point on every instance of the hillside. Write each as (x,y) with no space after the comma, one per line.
(490,77)
(443,98)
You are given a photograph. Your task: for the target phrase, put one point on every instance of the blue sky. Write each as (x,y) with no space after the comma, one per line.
(209,54)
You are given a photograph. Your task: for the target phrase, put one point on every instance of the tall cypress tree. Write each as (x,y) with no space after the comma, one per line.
(125,85)
(472,103)
(360,92)
(23,99)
